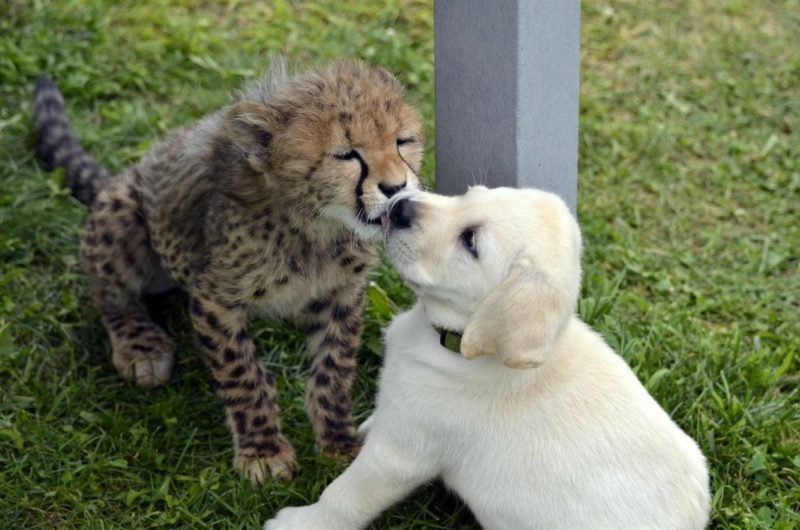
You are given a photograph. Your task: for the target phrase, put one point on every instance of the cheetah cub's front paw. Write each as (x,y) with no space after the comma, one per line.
(303,518)
(147,359)
(257,467)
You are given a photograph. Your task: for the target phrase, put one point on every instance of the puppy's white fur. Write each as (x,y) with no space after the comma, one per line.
(575,441)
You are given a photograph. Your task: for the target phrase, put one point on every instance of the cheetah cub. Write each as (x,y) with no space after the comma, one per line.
(270,206)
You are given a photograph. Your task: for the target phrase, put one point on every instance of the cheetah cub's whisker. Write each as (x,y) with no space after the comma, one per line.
(272,206)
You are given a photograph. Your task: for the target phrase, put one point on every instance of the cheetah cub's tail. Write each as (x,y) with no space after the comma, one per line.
(58,146)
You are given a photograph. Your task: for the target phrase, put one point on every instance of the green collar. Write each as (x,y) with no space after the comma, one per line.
(449,339)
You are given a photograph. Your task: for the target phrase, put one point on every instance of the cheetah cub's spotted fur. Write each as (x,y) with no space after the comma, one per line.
(269,206)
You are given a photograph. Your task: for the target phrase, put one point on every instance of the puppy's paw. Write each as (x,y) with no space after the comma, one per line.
(303,518)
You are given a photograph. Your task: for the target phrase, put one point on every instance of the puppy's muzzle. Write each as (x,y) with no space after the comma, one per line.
(402,213)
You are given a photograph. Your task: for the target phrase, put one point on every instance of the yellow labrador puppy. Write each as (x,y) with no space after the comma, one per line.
(529,416)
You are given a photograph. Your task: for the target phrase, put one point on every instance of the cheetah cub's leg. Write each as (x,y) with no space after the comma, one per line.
(333,326)
(116,253)
(247,391)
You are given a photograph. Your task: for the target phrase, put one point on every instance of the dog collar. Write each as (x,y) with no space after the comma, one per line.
(449,339)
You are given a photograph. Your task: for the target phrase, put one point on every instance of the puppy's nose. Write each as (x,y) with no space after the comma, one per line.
(389,191)
(402,213)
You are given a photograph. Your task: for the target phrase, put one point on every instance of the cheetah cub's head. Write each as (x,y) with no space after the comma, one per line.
(336,143)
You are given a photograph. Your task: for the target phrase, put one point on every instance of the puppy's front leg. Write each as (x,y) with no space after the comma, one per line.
(384,472)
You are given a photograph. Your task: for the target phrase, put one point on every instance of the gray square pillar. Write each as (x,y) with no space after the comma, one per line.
(507,88)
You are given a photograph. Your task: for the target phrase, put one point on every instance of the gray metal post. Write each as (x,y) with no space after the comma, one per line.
(507,76)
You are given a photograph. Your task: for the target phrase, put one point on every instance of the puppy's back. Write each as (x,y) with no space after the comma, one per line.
(659,470)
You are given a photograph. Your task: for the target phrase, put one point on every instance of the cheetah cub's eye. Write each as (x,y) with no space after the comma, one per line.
(403,141)
(469,241)
(349,155)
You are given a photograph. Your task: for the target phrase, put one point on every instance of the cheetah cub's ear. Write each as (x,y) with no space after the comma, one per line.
(251,126)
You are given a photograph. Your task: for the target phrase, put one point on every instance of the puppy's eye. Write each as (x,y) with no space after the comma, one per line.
(470,242)
(404,141)
(349,155)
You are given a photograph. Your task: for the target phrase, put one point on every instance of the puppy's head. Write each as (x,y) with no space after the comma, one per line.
(503,265)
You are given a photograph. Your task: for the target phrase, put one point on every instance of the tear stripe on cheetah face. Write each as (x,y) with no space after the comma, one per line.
(261,207)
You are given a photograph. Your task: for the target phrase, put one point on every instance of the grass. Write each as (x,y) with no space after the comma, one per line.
(689,194)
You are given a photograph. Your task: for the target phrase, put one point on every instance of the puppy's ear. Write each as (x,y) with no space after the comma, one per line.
(520,321)
(251,126)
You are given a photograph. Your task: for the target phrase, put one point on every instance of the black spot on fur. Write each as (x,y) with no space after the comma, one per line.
(269,431)
(207,341)
(213,321)
(329,363)
(240,418)
(317,306)
(236,401)
(230,355)
(343,439)
(324,403)
(229,385)
(336,425)
(263,137)
(341,312)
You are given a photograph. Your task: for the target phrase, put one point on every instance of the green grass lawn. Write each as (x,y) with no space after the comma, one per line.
(689,194)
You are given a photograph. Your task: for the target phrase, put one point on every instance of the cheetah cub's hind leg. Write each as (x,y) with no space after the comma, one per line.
(116,253)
